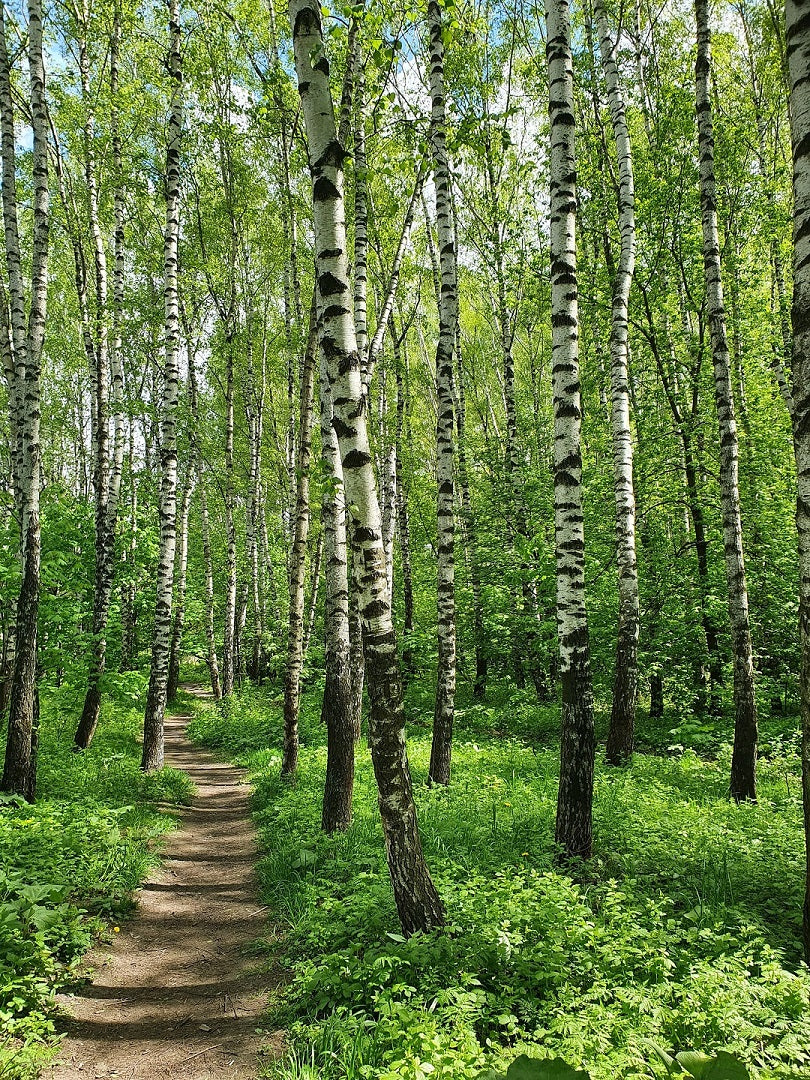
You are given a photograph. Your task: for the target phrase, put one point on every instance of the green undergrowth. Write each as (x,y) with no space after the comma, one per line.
(682,932)
(70,863)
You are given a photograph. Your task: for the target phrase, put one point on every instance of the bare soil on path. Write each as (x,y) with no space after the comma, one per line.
(174,994)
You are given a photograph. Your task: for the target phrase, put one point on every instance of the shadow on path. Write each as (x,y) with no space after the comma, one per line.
(174,994)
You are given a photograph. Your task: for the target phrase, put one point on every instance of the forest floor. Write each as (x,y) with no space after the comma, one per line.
(176,993)
(681,933)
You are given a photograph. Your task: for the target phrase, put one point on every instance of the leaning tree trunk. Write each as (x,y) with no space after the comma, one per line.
(152,757)
(298,555)
(27,336)
(625,682)
(798,42)
(440,751)
(336,710)
(417,901)
(574,826)
(744,755)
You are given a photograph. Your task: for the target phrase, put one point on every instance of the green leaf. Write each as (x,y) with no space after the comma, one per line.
(694,1062)
(305,858)
(396,937)
(662,1054)
(726,1067)
(45,918)
(526,1068)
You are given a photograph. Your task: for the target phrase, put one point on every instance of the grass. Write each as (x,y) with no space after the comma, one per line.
(682,931)
(71,861)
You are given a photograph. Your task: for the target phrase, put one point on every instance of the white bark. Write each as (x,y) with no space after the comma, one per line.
(625,686)
(417,901)
(743,762)
(152,756)
(298,554)
(27,319)
(798,52)
(448,319)
(574,825)
(106,369)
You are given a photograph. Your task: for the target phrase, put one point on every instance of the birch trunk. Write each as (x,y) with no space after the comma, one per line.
(27,335)
(15,452)
(267,562)
(574,825)
(229,629)
(336,710)
(417,901)
(470,532)
(205,523)
(526,646)
(625,683)
(798,51)
(360,306)
(403,521)
(152,757)
(179,618)
(386,478)
(298,555)
(440,753)
(314,589)
(360,220)
(210,634)
(108,382)
(254,415)
(358,663)
(128,590)
(744,755)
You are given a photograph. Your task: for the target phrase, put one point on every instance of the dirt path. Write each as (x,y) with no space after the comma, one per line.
(174,994)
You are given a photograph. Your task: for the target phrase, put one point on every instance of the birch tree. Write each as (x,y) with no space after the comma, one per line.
(104,355)
(298,554)
(336,709)
(27,326)
(743,761)
(152,757)
(797,21)
(625,683)
(574,826)
(417,901)
(440,752)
